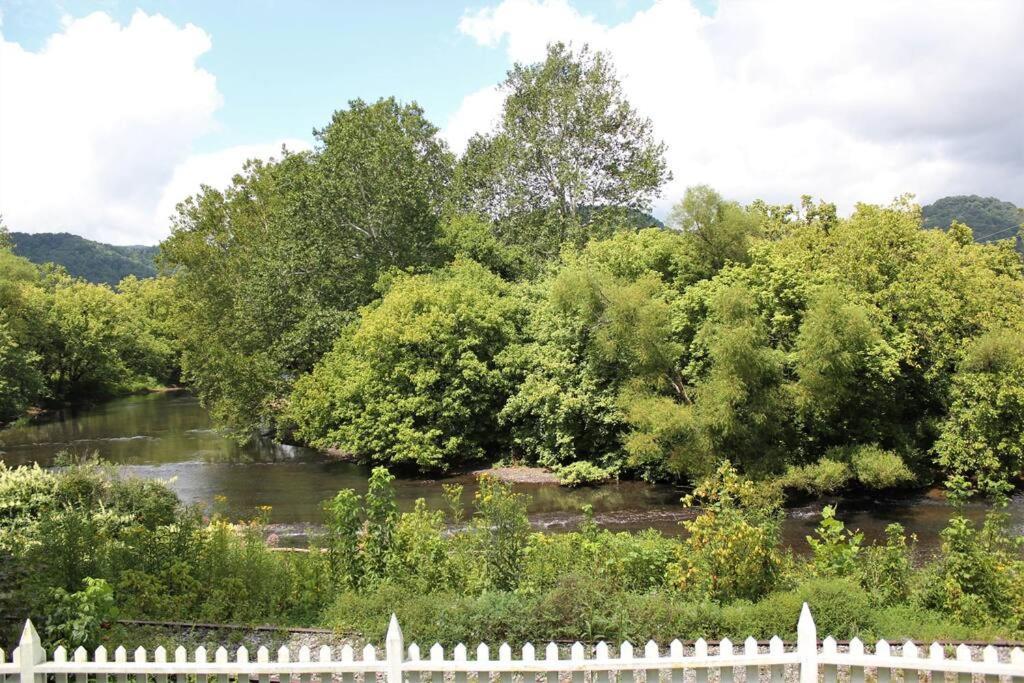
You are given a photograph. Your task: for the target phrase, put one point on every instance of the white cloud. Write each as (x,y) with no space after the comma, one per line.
(97,127)
(851,100)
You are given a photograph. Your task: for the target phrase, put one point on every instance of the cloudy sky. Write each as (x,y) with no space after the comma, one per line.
(111,112)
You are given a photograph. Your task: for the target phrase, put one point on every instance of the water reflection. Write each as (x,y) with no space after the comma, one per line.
(170,437)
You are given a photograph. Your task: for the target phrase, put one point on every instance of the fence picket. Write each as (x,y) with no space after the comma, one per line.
(120,657)
(263,657)
(325,657)
(284,658)
(963,654)
(100,657)
(882,649)
(551,656)
(700,649)
(1017,657)
(752,674)
(777,648)
(60,656)
(625,655)
(437,655)
(201,659)
(828,649)
(242,662)
(220,656)
(651,654)
(576,655)
(459,655)
(414,656)
(725,673)
(990,656)
(505,655)
(81,657)
(856,650)
(936,653)
(305,658)
(180,657)
(139,657)
(483,654)
(910,675)
(601,655)
(675,651)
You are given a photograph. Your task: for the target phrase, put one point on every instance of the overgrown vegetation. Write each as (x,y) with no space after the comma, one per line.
(81,546)
(64,340)
(382,297)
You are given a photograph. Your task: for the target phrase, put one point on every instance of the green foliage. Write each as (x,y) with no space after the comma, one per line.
(836,549)
(544,176)
(79,547)
(982,438)
(886,569)
(583,473)
(269,272)
(819,478)
(879,469)
(979,578)
(500,530)
(731,551)
(416,380)
(74,619)
(82,258)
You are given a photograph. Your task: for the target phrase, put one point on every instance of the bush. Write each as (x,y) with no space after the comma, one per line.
(880,469)
(74,619)
(732,550)
(583,473)
(415,380)
(825,476)
(835,549)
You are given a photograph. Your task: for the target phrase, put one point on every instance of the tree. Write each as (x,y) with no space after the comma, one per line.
(568,147)
(415,380)
(720,231)
(269,272)
(982,438)
(988,217)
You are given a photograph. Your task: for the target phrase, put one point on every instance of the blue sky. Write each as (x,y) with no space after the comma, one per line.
(112,112)
(284,66)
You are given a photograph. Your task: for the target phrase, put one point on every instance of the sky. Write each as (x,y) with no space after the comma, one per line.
(111,112)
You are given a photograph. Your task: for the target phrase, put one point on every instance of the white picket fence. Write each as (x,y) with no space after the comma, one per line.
(407,665)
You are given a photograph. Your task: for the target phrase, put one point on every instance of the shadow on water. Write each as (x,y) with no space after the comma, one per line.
(170,437)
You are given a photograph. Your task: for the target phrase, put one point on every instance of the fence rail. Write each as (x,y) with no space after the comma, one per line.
(401,664)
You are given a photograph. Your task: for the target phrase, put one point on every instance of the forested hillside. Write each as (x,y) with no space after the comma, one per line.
(92,261)
(989,218)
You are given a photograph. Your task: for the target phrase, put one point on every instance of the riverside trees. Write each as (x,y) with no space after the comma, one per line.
(379,295)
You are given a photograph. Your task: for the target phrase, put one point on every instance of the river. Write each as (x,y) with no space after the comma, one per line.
(169,436)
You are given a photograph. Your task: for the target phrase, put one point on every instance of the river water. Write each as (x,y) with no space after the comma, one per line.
(169,436)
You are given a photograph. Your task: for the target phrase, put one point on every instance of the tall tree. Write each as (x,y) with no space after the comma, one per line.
(268,271)
(569,148)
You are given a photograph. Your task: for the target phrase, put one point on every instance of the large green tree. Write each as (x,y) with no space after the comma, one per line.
(570,157)
(268,272)
(416,379)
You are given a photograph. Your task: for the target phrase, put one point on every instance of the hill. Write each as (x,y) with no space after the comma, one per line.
(990,218)
(92,261)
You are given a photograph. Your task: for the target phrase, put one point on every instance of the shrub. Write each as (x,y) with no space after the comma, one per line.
(501,530)
(836,549)
(731,551)
(583,473)
(74,619)
(825,476)
(886,570)
(879,469)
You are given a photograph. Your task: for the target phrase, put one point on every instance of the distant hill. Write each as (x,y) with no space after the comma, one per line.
(92,261)
(990,218)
